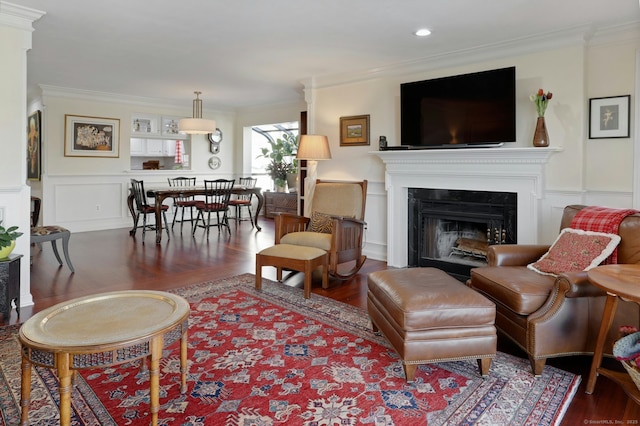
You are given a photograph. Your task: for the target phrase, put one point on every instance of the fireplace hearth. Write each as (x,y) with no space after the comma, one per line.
(452,229)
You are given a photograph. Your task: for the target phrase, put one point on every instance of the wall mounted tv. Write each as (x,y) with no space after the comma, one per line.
(469,110)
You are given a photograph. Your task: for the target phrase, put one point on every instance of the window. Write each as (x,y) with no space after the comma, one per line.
(260,138)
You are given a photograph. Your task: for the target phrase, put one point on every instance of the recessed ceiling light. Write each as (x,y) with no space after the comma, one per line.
(422,32)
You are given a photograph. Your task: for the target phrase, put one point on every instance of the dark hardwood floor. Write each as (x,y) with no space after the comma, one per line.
(112,260)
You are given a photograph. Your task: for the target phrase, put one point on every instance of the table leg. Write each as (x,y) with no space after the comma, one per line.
(154,378)
(260,198)
(64,383)
(25,391)
(134,215)
(607,319)
(184,366)
(158,208)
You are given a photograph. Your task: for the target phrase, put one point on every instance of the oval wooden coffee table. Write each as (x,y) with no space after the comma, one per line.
(103,330)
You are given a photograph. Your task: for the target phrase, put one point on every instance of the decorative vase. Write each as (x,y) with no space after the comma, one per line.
(6,251)
(540,136)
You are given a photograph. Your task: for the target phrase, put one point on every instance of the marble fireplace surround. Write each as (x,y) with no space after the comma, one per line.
(518,170)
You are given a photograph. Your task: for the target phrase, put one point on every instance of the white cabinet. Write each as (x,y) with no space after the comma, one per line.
(153,147)
(145,125)
(155,126)
(138,147)
(169,148)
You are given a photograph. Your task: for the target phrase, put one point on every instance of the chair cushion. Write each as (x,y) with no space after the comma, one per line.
(576,250)
(292,252)
(151,209)
(212,207)
(189,203)
(47,230)
(321,222)
(308,239)
(339,198)
(521,290)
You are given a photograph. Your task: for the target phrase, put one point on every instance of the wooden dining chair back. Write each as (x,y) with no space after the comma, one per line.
(243,200)
(182,202)
(217,196)
(143,208)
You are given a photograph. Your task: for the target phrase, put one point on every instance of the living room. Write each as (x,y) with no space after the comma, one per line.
(574,64)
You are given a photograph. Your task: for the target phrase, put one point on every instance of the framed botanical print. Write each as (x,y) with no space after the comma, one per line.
(91,136)
(609,117)
(354,130)
(34,146)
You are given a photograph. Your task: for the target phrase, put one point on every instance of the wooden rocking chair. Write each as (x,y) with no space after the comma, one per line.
(336,225)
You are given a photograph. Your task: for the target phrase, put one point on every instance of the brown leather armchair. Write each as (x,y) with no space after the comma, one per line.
(552,316)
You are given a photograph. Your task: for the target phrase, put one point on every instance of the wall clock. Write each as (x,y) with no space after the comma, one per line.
(214,162)
(214,141)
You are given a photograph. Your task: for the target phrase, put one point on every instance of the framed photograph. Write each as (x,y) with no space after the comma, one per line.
(354,130)
(609,117)
(91,136)
(34,146)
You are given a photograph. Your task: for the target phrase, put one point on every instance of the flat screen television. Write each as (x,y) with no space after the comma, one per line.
(468,110)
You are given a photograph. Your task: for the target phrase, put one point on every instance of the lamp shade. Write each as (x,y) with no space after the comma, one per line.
(313,147)
(196,126)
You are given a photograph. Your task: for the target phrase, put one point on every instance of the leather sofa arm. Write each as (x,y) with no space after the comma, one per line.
(577,285)
(514,254)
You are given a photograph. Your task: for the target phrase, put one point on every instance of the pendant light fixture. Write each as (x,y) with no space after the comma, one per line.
(197,125)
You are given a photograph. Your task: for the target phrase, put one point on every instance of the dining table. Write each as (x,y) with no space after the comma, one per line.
(162,193)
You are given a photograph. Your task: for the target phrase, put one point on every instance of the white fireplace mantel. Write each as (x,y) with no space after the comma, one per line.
(516,170)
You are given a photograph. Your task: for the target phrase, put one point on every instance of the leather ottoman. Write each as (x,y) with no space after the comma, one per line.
(429,316)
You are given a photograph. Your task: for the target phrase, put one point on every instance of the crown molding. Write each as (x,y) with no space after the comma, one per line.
(576,36)
(17,16)
(117,98)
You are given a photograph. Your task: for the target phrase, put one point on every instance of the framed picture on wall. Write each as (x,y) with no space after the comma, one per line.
(91,136)
(609,117)
(354,130)
(34,146)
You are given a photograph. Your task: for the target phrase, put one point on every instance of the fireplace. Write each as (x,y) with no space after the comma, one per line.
(518,171)
(452,229)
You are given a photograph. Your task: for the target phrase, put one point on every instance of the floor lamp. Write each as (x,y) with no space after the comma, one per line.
(312,148)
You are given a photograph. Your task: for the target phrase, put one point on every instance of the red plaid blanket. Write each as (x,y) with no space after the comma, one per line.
(601,219)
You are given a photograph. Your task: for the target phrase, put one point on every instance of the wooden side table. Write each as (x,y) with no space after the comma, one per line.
(100,331)
(9,285)
(619,281)
(283,202)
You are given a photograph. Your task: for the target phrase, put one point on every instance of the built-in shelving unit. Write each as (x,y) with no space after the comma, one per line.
(156,137)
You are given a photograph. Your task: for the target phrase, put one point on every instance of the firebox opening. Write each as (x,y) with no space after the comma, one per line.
(452,229)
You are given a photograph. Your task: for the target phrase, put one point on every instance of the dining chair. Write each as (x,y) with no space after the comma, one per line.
(143,208)
(243,200)
(216,200)
(182,202)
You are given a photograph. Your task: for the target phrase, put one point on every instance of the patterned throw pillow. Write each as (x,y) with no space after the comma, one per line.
(321,222)
(576,250)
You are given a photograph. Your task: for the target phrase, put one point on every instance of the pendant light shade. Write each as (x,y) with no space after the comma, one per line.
(197,125)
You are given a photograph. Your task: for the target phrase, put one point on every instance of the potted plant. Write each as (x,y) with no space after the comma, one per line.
(282,162)
(8,240)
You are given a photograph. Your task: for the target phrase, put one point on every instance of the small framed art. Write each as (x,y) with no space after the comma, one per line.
(34,146)
(609,117)
(91,136)
(354,130)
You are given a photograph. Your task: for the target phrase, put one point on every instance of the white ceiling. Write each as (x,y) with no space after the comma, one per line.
(243,53)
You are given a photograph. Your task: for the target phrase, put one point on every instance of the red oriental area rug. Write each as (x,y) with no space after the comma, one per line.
(272,357)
